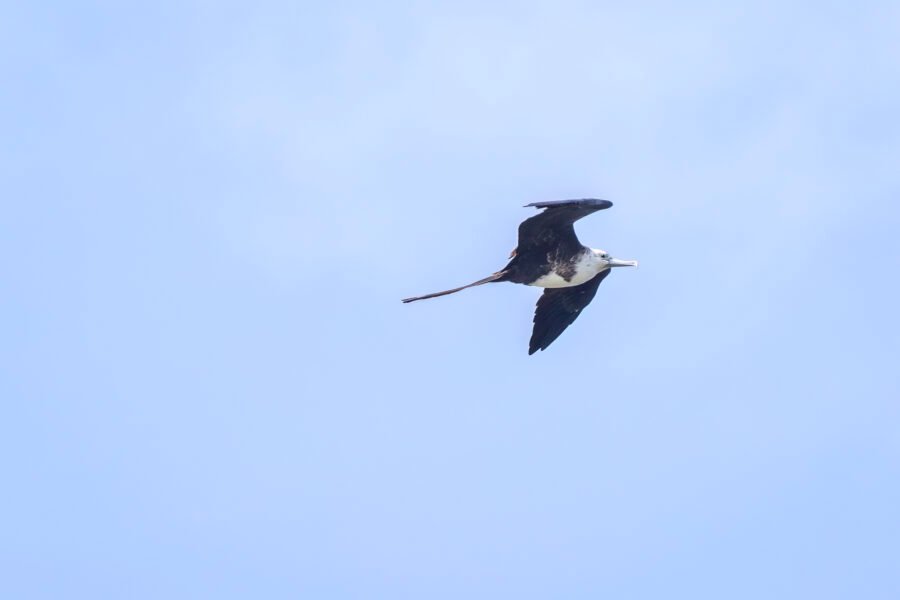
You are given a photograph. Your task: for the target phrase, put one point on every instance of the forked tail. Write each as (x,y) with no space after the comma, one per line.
(495,277)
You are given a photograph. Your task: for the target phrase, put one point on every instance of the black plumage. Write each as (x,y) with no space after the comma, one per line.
(557,308)
(548,239)
(549,255)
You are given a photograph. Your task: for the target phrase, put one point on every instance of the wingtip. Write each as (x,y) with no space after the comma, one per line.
(604,204)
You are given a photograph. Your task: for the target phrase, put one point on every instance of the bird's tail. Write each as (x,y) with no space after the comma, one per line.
(495,277)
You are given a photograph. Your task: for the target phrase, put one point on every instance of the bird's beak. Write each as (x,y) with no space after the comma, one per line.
(615,262)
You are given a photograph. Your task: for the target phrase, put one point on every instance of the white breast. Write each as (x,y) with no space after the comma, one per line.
(585,269)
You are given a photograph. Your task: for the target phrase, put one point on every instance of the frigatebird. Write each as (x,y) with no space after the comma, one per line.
(550,256)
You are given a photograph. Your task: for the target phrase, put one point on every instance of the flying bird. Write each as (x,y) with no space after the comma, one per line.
(550,256)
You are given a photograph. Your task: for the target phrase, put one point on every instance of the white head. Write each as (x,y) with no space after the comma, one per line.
(607,261)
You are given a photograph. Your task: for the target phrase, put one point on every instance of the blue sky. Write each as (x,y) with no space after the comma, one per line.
(211,389)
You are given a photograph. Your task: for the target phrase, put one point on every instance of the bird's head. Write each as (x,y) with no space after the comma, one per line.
(606,260)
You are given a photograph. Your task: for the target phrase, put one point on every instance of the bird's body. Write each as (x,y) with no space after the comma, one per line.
(576,271)
(550,256)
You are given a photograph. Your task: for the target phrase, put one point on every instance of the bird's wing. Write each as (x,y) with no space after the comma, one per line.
(553,227)
(558,308)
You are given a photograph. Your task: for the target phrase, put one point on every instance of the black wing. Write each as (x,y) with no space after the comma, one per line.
(553,227)
(558,308)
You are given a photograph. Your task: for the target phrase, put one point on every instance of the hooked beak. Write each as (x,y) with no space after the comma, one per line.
(615,262)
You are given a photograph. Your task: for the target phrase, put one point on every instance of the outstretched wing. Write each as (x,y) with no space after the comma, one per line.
(553,227)
(558,308)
